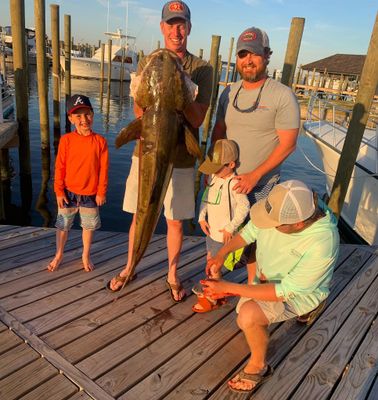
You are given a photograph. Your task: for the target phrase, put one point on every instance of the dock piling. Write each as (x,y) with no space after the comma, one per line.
(292,50)
(67,63)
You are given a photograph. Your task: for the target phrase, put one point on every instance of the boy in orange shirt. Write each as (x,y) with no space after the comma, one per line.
(81,179)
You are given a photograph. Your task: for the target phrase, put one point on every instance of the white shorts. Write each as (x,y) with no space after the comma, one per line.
(275,311)
(179,200)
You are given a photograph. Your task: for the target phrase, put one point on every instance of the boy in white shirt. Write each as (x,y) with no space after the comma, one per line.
(222,209)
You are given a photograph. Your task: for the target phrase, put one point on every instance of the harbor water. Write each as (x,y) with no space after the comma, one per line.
(42,210)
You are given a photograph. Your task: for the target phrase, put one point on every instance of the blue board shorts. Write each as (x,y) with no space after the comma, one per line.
(87,208)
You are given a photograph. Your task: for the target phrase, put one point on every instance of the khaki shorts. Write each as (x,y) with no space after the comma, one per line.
(179,199)
(275,311)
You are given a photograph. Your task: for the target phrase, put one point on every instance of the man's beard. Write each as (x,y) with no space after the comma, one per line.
(252,77)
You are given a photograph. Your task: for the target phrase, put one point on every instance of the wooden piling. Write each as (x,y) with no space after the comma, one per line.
(102,73)
(54,10)
(200,54)
(67,64)
(360,114)
(109,64)
(215,43)
(292,50)
(313,77)
(158,44)
(40,35)
(229,59)
(17,11)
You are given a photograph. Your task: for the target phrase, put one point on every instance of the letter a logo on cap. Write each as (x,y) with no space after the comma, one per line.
(176,7)
(79,100)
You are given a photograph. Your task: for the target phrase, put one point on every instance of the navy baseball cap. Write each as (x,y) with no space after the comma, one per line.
(78,101)
(253,40)
(175,9)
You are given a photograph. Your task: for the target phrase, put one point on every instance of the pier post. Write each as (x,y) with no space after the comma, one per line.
(215,43)
(54,9)
(109,64)
(17,10)
(360,115)
(102,73)
(200,54)
(229,59)
(40,34)
(158,44)
(67,63)
(292,50)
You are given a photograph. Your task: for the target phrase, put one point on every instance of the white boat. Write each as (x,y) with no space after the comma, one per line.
(90,68)
(360,209)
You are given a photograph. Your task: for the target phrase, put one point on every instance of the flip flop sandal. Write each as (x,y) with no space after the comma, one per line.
(174,287)
(257,379)
(309,318)
(206,305)
(121,279)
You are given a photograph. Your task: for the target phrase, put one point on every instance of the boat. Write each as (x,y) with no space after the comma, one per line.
(327,125)
(90,68)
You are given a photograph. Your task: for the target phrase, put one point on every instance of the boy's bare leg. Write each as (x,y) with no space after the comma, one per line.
(87,242)
(114,285)
(61,238)
(174,244)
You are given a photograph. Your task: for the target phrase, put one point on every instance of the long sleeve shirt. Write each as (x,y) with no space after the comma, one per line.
(217,202)
(82,164)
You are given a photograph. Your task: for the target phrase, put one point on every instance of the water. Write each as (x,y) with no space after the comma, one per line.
(42,209)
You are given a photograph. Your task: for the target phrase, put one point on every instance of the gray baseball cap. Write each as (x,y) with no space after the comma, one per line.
(253,40)
(175,9)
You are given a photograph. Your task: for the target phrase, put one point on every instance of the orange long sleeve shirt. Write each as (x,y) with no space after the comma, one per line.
(82,165)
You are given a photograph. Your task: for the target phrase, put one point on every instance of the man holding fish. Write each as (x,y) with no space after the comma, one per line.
(179,201)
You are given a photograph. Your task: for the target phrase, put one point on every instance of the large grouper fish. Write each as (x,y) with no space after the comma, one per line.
(163,93)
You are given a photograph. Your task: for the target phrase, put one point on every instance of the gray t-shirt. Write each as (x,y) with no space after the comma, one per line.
(255,132)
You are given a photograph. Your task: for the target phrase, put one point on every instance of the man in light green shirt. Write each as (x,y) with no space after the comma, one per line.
(297,248)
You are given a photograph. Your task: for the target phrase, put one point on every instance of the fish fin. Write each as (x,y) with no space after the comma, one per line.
(192,144)
(129,133)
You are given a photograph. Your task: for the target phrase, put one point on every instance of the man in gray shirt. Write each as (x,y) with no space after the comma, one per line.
(260,114)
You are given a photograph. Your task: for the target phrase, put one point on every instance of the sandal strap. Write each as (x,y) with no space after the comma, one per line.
(255,378)
(175,286)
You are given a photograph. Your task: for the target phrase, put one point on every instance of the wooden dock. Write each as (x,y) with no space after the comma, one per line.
(63,336)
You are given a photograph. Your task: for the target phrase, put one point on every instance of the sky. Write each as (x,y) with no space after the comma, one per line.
(331,26)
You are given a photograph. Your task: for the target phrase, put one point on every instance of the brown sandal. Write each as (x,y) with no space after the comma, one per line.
(121,279)
(173,286)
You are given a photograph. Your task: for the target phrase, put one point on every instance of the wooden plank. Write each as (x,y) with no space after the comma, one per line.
(161,380)
(53,295)
(3,327)
(57,388)
(362,370)
(31,376)
(373,395)
(8,340)
(44,283)
(80,396)
(296,365)
(22,236)
(52,357)
(60,317)
(5,228)
(8,130)
(335,358)
(16,358)
(36,264)
(159,320)
(287,335)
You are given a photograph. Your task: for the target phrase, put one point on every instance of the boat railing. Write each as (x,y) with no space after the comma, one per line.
(336,117)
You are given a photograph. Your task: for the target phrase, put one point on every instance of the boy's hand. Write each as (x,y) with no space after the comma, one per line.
(205,227)
(214,265)
(227,236)
(100,200)
(61,200)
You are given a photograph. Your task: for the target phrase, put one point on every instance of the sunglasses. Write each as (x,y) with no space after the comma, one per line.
(255,104)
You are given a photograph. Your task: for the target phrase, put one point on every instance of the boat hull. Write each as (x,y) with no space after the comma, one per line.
(89,68)
(360,207)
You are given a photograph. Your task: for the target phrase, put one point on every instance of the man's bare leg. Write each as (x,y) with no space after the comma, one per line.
(114,284)
(87,243)
(174,244)
(61,239)
(254,324)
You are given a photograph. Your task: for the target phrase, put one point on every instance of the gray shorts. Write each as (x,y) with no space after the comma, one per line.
(179,200)
(275,311)
(89,218)
(212,246)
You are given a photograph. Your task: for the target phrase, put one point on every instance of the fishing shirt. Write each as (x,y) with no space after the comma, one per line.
(300,264)
(82,164)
